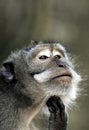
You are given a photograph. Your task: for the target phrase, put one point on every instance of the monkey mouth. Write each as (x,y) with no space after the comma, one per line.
(63,77)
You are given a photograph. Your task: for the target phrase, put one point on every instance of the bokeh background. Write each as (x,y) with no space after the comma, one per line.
(66,21)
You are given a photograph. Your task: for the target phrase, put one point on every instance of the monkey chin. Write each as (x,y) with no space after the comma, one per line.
(62,87)
(63,80)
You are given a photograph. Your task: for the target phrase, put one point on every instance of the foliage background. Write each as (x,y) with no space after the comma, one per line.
(66,21)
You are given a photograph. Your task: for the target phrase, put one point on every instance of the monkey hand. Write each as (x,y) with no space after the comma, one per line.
(58,116)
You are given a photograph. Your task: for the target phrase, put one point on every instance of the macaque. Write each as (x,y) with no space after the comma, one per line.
(37,84)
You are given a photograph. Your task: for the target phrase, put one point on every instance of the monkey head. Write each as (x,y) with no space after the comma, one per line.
(43,71)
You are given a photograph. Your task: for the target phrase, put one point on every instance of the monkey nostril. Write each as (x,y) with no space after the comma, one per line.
(62,66)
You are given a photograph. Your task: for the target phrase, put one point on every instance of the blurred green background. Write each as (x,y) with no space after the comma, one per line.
(66,21)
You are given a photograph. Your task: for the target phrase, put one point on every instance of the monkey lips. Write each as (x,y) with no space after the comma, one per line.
(63,77)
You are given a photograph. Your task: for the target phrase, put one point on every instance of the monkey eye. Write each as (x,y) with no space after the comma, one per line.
(43,57)
(57,56)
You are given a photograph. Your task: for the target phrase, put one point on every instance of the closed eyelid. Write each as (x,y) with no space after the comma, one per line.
(45,52)
(56,52)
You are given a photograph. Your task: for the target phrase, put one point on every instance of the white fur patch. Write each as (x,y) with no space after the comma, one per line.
(61,47)
(43,77)
(55,52)
(45,52)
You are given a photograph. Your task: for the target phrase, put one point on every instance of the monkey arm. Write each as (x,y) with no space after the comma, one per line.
(58,117)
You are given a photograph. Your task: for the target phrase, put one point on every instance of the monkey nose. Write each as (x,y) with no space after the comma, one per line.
(62,64)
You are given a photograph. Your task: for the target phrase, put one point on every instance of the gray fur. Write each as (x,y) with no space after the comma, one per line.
(22,97)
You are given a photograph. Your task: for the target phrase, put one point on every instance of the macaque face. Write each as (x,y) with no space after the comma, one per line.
(42,71)
(53,70)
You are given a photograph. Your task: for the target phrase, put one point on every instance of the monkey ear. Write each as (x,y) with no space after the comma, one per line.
(8,70)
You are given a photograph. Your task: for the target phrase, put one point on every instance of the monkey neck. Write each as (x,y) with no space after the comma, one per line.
(40,122)
(32,116)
